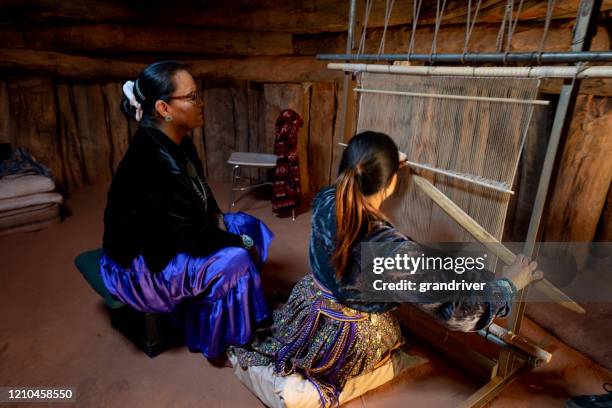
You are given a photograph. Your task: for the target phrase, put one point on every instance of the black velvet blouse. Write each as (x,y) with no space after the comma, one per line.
(159,204)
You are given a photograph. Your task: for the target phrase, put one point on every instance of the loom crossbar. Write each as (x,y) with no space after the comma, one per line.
(522,72)
(480,181)
(482,57)
(454,97)
(518,341)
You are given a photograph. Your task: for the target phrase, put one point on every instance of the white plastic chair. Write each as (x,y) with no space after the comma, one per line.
(246,159)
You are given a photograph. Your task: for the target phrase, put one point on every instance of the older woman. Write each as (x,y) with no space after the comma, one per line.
(165,239)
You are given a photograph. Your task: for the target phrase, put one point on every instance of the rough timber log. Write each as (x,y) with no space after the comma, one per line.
(19,61)
(585,173)
(262,69)
(269,15)
(605,231)
(451,39)
(123,38)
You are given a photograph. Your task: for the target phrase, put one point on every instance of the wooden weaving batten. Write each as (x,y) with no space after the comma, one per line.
(488,240)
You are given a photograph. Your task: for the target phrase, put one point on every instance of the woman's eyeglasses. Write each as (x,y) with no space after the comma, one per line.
(193,97)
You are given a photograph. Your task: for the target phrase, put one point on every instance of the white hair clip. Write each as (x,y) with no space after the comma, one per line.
(128,91)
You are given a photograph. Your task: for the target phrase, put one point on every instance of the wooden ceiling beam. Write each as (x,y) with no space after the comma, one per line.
(124,38)
(261,69)
(450,39)
(265,15)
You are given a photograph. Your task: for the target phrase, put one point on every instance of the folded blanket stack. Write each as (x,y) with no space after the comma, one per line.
(28,201)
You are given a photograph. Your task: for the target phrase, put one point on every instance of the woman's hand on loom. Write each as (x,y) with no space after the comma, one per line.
(522,272)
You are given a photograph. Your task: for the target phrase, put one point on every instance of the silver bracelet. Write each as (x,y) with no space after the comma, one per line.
(247,241)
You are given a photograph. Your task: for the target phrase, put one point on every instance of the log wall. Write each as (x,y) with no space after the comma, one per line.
(79,131)
(61,69)
(584,174)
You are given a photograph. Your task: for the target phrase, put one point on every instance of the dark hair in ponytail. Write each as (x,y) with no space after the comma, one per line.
(368,164)
(153,84)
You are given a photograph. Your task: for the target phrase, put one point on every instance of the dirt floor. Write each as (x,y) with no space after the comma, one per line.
(54,331)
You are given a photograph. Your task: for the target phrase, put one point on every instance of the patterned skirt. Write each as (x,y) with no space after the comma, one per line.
(220,295)
(324,341)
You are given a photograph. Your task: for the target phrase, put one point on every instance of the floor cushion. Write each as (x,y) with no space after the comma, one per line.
(293,391)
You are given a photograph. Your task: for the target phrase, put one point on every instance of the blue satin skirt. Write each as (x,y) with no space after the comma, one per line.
(220,294)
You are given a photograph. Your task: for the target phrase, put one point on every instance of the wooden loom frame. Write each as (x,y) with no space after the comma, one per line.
(510,364)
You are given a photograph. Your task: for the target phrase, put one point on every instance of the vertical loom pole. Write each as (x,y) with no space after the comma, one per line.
(347,75)
(585,20)
(348,112)
(587,17)
(509,368)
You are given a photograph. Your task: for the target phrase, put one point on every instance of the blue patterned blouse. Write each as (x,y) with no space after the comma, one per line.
(460,312)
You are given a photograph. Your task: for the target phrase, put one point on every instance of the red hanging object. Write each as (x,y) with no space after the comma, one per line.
(286,190)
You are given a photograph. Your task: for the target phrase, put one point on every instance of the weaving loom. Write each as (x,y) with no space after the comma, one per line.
(463,130)
(479,141)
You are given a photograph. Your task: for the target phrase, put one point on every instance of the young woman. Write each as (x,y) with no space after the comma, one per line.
(165,238)
(329,331)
